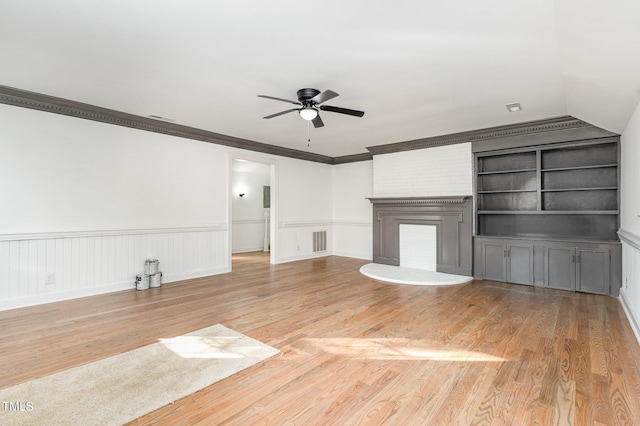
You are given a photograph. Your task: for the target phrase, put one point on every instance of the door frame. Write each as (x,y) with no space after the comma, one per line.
(273,209)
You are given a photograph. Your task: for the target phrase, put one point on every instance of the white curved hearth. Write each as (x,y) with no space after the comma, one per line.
(402,275)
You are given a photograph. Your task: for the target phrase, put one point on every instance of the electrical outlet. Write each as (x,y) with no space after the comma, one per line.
(51,278)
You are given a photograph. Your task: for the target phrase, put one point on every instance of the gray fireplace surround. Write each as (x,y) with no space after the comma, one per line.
(452,217)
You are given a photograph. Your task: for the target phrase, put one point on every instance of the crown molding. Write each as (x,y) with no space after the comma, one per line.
(492,133)
(365,156)
(52,104)
(420,201)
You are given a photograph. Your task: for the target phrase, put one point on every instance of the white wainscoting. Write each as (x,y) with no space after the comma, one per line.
(630,291)
(78,264)
(349,239)
(295,240)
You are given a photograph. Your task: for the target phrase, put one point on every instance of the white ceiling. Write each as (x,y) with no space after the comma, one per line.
(418,68)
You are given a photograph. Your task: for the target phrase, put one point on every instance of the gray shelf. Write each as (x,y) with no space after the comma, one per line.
(605,188)
(550,212)
(508,191)
(581,200)
(569,191)
(594,227)
(581,156)
(598,166)
(594,178)
(512,181)
(514,162)
(507,171)
(516,201)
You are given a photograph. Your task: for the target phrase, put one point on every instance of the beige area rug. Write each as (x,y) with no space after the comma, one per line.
(123,387)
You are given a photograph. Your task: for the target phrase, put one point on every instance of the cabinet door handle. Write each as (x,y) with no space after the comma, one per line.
(573,258)
(578,259)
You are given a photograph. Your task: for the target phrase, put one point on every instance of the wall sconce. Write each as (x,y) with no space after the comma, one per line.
(241,194)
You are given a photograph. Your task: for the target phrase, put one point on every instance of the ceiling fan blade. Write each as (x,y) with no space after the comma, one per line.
(341,110)
(324,96)
(317,122)
(279,99)
(281,113)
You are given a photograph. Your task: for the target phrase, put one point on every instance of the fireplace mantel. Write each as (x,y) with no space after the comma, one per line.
(452,217)
(418,200)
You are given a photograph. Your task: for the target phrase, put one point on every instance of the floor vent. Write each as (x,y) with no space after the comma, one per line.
(319,241)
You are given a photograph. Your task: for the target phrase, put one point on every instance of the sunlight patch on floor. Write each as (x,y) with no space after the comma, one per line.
(396,349)
(204,347)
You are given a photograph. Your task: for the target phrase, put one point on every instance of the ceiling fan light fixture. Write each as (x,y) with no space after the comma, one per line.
(308,113)
(308,106)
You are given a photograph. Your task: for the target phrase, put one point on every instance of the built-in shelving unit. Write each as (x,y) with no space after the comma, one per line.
(548,215)
(568,191)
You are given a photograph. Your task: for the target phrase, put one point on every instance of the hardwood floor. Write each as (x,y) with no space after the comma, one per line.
(358,351)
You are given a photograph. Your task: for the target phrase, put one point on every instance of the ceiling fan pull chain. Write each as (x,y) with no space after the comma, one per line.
(308,134)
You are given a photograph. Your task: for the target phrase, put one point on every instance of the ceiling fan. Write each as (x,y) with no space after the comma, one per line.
(309,101)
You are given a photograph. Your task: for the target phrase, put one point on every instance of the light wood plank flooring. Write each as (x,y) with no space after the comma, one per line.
(358,351)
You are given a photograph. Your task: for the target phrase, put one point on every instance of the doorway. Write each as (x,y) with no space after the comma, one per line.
(252,208)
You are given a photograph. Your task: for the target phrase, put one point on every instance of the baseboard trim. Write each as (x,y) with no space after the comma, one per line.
(59,296)
(353,255)
(325,254)
(633,321)
(195,274)
(44,298)
(247,250)
(304,257)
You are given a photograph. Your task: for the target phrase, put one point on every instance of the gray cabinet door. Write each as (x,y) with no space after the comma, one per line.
(564,265)
(560,268)
(506,262)
(494,262)
(593,270)
(520,264)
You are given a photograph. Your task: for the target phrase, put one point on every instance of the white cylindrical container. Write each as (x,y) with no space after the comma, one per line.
(155,280)
(151,266)
(142,282)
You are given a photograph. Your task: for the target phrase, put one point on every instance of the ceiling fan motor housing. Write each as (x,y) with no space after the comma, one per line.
(306,94)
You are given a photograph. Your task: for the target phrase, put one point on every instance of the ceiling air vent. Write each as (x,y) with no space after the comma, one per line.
(157,117)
